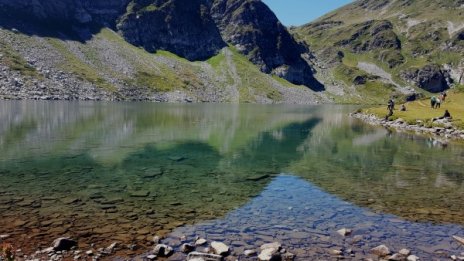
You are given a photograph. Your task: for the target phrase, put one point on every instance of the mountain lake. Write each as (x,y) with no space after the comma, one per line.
(245,175)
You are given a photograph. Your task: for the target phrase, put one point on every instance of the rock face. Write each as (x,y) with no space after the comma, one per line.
(195,29)
(256,32)
(375,36)
(430,78)
(182,27)
(67,12)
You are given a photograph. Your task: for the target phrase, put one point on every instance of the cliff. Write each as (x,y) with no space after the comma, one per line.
(196,30)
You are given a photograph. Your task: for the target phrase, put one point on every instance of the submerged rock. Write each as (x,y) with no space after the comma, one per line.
(151,257)
(344,232)
(381,251)
(163,250)
(258,177)
(270,251)
(404,252)
(220,248)
(249,252)
(274,245)
(177,158)
(459,239)
(413,258)
(200,242)
(187,248)
(140,194)
(197,256)
(63,243)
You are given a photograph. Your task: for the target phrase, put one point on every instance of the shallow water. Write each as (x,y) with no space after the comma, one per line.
(104,172)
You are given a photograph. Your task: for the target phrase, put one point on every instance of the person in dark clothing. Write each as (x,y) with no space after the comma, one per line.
(433,101)
(390,108)
(447,115)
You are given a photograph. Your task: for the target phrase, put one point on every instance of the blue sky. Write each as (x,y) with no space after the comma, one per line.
(298,12)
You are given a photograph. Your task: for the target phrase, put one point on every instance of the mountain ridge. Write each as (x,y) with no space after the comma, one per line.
(187,29)
(417,42)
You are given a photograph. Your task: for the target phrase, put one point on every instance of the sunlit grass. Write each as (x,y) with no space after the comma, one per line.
(421,110)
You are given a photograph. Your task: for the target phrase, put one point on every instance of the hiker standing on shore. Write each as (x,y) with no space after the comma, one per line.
(433,101)
(437,104)
(390,108)
(443,96)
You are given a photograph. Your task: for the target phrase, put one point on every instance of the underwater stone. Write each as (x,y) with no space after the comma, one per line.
(162,250)
(140,194)
(220,248)
(197,256)
(200,241)
(249,252)
(63,243)
(344,232)
(381,250)
(187,248)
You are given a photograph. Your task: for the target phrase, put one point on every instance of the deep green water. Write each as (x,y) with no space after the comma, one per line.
(126,171)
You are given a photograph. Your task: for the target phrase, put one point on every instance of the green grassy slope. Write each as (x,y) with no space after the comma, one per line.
(423,32)
(108,62)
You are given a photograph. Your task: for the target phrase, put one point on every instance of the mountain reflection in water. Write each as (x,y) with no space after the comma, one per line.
(126,171)
(305,219)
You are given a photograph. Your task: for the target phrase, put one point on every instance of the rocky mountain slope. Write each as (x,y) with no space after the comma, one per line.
(170,50)
(379,48)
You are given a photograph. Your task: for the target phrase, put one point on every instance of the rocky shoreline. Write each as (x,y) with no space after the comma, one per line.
(199,249)
(445,131)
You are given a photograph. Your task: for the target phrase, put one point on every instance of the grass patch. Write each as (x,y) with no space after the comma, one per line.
(253,80)
(73,64)
(217,61)
(15,61)
(421,110)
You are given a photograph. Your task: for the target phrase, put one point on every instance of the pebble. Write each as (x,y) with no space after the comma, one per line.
(200,242)
(405,252)
(381,251)
(336,252)
(89,252)
(249,252)
(198,256)
(344,232)
(413,258)
(274,245)
(187,248)
(288,256)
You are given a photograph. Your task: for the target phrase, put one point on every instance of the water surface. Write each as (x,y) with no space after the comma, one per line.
(104,172)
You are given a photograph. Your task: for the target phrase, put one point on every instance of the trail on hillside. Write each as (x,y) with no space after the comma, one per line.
(237,81)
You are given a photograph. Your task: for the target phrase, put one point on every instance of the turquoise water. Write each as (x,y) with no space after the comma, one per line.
(104,172)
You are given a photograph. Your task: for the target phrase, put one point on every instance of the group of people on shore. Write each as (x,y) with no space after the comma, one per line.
(435,102)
